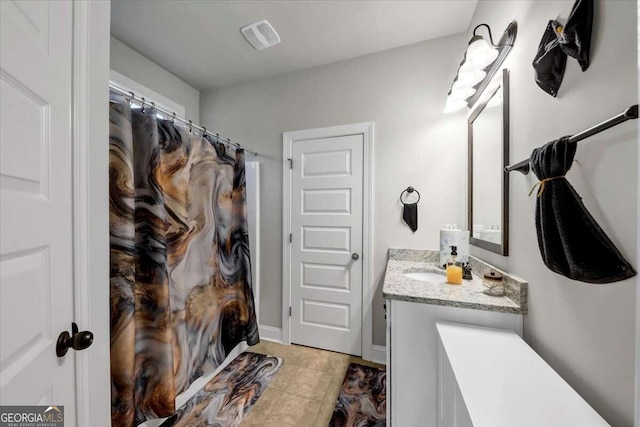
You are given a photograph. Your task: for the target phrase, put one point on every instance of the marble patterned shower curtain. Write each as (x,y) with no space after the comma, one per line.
(181,295)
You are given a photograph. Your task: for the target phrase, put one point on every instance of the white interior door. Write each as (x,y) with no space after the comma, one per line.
(326,227)
(36,253)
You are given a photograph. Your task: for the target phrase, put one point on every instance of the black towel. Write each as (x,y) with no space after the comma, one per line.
(571,241)
(550,61)
(575,37)
(410,215)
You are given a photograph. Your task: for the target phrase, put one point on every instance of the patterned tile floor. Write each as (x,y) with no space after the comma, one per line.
(304,392)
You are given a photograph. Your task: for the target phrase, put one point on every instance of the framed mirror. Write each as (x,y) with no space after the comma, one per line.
(488,187)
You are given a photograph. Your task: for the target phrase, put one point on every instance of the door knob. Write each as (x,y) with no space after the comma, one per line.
(355,256)
(76,340)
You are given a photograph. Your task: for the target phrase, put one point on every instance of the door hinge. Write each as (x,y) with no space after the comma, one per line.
(290,237)
(290,163)
(289,311)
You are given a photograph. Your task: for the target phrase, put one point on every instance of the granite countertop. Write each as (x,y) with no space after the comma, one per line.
(470,294)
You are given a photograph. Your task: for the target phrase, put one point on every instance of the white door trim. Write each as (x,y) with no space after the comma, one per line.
(254,237)
(90,133)
(366,130)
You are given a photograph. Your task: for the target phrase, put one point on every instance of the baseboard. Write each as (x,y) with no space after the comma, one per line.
(269,333)
(379,354)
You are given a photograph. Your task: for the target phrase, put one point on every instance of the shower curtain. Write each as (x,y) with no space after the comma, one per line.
(181,296)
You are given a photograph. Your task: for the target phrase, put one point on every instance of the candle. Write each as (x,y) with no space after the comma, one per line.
(454,274)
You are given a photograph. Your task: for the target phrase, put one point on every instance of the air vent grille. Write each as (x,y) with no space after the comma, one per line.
(260,35)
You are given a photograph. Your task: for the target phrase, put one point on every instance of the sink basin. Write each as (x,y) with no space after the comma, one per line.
(426,276)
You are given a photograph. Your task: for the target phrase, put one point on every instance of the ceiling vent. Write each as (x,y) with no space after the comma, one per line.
(260,35)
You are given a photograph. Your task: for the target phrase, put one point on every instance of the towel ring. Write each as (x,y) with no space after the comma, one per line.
(409,190)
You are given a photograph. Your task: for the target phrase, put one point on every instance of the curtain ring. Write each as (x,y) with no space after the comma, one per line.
(409,190)
(133,95)
(142,100)
(173,118)
(190,125)
(153,105)
(204,131)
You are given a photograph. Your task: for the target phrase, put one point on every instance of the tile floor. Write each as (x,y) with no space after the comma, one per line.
(304,392)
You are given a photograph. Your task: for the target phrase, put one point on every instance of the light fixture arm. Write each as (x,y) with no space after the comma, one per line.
(489,30)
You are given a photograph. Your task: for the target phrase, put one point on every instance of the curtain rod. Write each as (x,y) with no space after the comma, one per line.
(628,114)
(133,97)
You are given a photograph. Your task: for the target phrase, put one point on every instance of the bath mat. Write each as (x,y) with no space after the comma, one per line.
(227,398)
(362,402)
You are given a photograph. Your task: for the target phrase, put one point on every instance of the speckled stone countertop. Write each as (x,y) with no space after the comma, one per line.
(468,295)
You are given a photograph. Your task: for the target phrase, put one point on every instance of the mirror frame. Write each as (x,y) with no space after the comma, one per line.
(503,248)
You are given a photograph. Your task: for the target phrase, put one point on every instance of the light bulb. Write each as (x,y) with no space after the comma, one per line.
(454,105)
(463,93)
(480,54)
(470,77)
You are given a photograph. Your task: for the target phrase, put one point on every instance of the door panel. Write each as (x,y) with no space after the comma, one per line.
(326,223)
(332,163)
(36,282)
(327,201)
(334,239)
(326,276)
(324,314)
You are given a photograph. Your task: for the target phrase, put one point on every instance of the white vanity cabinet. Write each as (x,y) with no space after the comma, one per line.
(412,356)
(503,384)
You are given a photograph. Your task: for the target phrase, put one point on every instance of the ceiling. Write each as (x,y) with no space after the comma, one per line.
(200,41)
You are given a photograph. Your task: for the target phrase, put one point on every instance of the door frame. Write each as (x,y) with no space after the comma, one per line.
(90,209)
(365,129)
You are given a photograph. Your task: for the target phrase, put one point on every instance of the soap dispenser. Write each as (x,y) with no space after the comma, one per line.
(454,270)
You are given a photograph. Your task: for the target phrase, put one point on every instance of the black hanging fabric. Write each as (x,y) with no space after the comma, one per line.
(550,61)
(410,215)
(571,241)
(575,37)
(574,40)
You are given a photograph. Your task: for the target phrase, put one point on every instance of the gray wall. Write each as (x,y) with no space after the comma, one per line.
(403,91)
(586,332)
(137,67)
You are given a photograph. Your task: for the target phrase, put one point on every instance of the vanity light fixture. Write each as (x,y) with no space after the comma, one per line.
(481,61)
(479,53)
